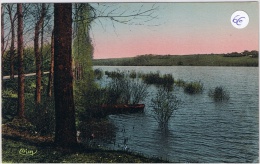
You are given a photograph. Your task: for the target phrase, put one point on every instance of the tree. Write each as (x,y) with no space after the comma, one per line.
(50,82)
(65,131)
(21,101)
(2,37)
(84,83)
(38,55)
(114,13)
(12,49)
(82,48)
(85,14)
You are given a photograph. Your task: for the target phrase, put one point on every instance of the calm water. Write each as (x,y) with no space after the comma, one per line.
(201,130)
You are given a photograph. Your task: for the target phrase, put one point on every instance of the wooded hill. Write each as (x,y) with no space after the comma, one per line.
(245,58)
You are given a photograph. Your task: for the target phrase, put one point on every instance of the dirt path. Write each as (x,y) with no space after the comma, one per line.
(26,75)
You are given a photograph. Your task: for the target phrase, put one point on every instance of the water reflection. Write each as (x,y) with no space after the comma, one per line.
(163,136)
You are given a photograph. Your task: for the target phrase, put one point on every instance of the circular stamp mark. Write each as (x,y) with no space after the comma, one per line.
(239,19)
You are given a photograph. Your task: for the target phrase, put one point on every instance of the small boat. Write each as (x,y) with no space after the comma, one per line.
(123,108)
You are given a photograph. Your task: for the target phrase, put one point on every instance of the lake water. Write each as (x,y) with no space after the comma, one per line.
(201,129)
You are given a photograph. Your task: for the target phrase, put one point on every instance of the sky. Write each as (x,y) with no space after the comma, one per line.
(179,29)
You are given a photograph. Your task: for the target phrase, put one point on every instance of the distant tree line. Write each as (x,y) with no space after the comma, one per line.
(246,58)
(253,54)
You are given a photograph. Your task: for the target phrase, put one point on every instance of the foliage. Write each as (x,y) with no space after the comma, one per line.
(98,129)
(115,74)
(9,108)
(193,87)
(138,92)
(164,104)
(50,154)
(152,78)
(133,74)
(180,83)
(252,54)
(21,124)
(29,64)
(82,50)
(86,92)
(219,94)
(98,73)
(88,101)
(43,118)
(9,93)
(166,80)
(88,95)
(126,91)
(184,60)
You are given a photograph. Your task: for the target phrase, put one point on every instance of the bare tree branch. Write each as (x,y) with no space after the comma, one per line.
(127,16)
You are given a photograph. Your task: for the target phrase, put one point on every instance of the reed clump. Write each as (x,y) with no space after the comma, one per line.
(165,80)
(180,83)
(115,74)
(219,94)
(193,87)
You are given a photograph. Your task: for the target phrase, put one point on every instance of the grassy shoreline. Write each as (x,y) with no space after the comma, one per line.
(14,151)
(179,60)
(21,145)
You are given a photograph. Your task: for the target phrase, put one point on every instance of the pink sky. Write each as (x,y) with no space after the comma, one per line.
(189,31)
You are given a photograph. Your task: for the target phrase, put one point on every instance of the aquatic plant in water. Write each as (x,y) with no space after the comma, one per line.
(219,94)
(193,87)
(164,104)
(157,79)
(126,91)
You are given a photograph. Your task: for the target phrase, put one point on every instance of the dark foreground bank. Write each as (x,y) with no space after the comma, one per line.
(18,147)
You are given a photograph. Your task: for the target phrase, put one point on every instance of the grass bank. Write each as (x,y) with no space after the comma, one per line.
(180,60)
(19,147)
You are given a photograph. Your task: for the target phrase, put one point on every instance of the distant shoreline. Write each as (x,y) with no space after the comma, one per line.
(249,59)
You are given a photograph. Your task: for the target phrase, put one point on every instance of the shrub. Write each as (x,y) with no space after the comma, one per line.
(100,129)
(193,87)
(9,93)
(164,104)
(138,92)
(219,94)
(180,83)
(151,78)
(9,108)
(114,90)
(21,125)
(115,74)
(126,91)
(166,80)
(88,99)
(133,74)
(43,116)
(98,73)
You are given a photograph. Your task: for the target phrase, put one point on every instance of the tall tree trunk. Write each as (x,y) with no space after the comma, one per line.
(42,32)
(38,56)
(21,102)
(12,51)
(2,39)
(65,131)
(50,83)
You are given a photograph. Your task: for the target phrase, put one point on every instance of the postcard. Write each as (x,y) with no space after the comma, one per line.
(116,82)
